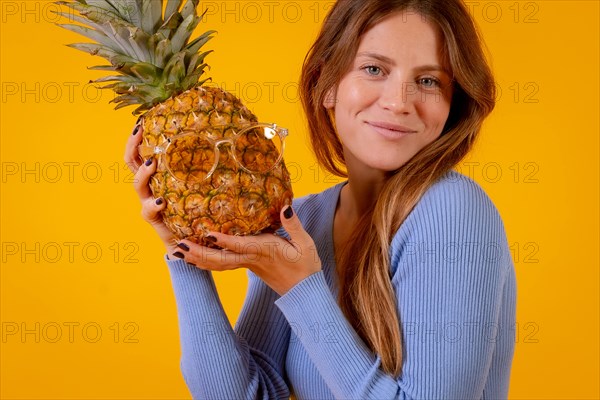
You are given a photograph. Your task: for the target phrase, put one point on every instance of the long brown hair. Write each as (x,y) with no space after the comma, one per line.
(366,295)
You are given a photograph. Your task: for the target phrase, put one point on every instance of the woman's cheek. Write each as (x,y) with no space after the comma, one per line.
(434,113)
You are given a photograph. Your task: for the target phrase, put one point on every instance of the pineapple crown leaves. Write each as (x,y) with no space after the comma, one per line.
(150,51)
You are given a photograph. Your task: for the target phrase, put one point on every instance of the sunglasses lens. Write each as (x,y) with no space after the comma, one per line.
(259,149)
(190,158)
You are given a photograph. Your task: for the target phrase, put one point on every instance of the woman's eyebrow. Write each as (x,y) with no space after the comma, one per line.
(432,67)
(376,56)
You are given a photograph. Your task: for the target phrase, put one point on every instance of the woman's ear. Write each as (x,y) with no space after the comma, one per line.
(330,100)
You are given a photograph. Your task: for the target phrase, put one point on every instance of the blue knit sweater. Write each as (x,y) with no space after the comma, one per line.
(453,275)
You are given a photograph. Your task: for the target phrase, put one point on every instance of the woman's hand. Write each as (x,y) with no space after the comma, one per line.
(279,262)
(151,207)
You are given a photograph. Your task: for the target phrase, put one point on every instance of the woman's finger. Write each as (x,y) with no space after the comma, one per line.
(243,251)
(132,157)
(151,209)
(142,177)
(292,225)
(151,213)
(207,257)
(252,245)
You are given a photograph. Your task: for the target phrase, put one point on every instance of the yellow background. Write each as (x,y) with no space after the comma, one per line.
(65,196)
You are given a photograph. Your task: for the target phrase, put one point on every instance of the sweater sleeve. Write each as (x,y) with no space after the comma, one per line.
(450,269)
(218,362)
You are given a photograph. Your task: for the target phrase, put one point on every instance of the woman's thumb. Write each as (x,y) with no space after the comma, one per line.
(293,226)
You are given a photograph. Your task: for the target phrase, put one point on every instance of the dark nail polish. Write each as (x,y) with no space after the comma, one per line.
(139,119)
(183,246)
(178,254)
(288,212)
(148,162)
(211,238)
(159,201)
(135,130)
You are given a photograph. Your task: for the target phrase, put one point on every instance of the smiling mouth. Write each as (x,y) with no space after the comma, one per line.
(388,130)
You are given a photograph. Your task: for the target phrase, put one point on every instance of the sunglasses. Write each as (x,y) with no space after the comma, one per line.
(192,156)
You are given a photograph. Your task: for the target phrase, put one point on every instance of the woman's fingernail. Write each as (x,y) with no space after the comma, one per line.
(211,238)
(139,119)
(136,129)
(288,212)
(148,162)
(159,201)
(183,246)
(178,254)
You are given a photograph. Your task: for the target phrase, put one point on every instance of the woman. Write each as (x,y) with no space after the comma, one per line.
(395,93)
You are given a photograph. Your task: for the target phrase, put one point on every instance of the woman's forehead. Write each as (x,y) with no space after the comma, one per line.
(404,36)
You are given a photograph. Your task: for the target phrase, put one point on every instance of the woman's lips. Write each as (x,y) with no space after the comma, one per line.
(389,130)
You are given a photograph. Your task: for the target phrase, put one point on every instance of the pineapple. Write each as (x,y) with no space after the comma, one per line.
(237,189)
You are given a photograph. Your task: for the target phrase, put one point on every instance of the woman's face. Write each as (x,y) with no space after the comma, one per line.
(395,98)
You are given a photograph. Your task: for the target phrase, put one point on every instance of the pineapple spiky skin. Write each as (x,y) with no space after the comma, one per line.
(155,65)
(231,201)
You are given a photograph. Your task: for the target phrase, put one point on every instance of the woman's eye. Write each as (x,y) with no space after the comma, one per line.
(429,83)
(372,70)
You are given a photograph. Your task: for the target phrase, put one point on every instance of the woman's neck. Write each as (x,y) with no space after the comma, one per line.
(360,194)
(356,199)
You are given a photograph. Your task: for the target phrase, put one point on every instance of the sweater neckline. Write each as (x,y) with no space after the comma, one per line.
(335,194)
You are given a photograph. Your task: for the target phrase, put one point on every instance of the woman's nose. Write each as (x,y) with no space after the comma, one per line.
(398,96)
